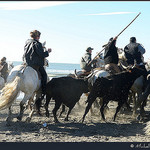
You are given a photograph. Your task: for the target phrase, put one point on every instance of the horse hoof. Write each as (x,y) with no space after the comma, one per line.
(28,120)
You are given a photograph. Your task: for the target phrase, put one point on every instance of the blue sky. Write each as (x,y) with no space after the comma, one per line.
(72,26)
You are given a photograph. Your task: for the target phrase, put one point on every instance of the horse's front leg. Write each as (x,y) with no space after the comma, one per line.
(28,119)
(29,103)
(9,118)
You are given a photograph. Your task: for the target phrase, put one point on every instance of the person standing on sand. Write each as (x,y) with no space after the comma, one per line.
(34,56)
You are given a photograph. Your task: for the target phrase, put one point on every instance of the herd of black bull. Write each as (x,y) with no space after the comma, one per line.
(68,90)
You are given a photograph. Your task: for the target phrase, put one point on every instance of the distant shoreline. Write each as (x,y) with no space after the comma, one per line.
(49,62)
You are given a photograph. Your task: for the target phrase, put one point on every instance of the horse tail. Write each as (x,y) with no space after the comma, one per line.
(10,92)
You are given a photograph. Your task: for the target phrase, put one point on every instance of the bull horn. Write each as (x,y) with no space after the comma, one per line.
(90,75)
(123,66)
(75,72)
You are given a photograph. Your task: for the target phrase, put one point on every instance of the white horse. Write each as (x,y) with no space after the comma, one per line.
(20,79)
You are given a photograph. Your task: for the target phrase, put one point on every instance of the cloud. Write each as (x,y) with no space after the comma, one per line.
(30,5)
(111,13)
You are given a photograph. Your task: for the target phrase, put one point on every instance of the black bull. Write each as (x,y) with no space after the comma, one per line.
(64,90)
(115,87)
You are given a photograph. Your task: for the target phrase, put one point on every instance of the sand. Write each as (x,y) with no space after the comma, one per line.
(124,129)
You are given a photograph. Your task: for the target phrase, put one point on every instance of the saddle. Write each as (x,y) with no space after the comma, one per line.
(83,74)
(34,67)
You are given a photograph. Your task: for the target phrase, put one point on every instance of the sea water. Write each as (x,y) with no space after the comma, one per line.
(57,69)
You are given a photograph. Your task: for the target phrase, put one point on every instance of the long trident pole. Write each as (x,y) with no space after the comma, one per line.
(115,37)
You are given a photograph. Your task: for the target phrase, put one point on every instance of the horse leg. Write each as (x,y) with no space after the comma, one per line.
(29,103)
(22,107)
(38,105)
(28,119)
(142,105)
(9,118)
(143,99)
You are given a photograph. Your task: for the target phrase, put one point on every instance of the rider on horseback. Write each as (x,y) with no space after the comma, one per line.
(134,55)
(84,64)
(34,56)
(111,56)
(4,68)
(134,52)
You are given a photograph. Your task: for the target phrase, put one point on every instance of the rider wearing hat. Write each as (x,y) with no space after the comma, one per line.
(34,56)
(84,63)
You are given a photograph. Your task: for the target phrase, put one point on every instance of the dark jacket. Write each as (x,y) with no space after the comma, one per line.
(34,53)
(84,62)
(110,54)
(4,69)
(132,53)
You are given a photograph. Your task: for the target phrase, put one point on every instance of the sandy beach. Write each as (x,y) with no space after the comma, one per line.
(124,129)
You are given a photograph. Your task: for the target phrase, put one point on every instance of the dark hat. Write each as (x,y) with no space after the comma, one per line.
(111,39)
(89,48)
(132,39)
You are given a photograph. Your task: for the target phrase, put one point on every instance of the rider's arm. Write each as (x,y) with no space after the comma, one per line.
(141,49)
(40,51)
(86,58)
